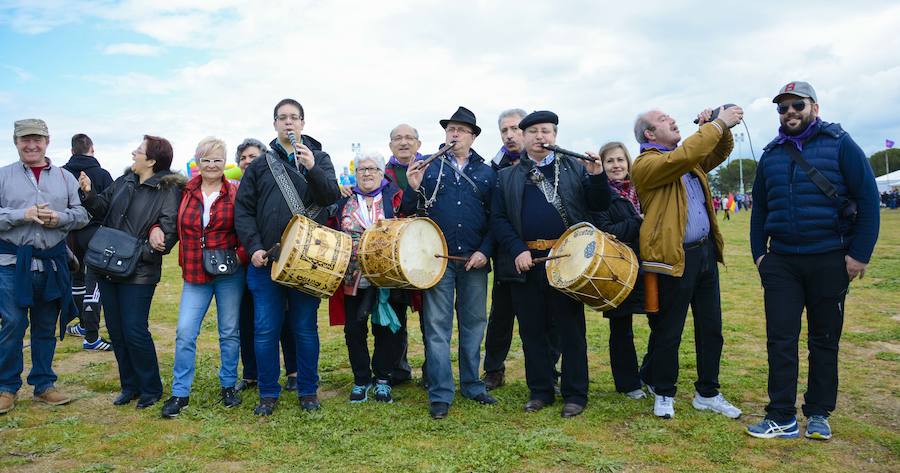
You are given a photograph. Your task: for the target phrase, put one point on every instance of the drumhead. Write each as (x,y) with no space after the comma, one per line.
(580,243)
(420,240)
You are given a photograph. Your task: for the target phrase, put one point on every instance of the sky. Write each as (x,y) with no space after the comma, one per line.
(186,69)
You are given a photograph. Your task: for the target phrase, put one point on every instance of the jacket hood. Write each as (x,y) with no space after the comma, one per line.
(79,162)
(164,179)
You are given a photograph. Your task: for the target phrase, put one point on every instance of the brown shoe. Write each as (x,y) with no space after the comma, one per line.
(570,409)
(493,380)
(7,402)
(53,397)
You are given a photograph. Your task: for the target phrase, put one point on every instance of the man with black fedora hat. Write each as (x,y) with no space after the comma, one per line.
(456,194)
(534,203)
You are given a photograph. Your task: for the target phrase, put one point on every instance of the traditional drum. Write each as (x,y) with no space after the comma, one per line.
(599,270)
(400,253)
(313,257)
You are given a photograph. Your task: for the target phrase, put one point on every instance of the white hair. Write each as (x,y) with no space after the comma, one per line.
(373,156)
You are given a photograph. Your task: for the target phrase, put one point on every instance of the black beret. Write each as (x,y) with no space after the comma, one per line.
(540,116)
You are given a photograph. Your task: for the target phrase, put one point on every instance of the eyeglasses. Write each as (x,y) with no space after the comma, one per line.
(214,162)
(284,118)
(797,105)
(396,139)
(457,129)
(365,171)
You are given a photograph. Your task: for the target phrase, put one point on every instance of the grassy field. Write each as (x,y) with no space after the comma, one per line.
(614,433)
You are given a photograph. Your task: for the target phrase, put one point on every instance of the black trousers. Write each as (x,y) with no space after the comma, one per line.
(539,307)
(248,348)
(622,355)
(402,372)
(698,288)
(85,290)
(388,345)
(127,310)
(791,282)
(499,328)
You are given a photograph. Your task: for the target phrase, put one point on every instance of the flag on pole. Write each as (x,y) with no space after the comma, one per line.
(730,205)
(888,143)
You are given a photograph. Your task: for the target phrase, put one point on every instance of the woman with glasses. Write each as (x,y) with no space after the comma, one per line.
(374,198)
(208,254)
(143,201)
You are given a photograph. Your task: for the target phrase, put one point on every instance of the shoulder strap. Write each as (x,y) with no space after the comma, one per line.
(463,175)
(814,175)
(294,202)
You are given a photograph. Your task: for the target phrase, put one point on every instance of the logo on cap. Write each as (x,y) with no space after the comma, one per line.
(789,87)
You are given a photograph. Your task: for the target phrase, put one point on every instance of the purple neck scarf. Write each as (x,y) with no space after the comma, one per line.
(798,140)
(512,155)
(394,162)
(646,146)
(384,183)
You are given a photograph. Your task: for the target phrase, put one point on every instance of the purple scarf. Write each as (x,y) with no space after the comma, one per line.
(384,183)
(512,155)
(646,146)
(798,140)
(393,161)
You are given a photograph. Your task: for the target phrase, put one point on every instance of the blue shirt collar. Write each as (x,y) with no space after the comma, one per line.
(651,145)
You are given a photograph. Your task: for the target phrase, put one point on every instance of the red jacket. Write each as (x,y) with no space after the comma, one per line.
(220,232)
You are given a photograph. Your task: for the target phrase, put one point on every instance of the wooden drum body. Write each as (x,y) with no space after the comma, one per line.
(599,271)
(313,257)
(400,253)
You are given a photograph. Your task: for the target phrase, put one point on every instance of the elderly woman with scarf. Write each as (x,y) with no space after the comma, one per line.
(374,198)
(623,219)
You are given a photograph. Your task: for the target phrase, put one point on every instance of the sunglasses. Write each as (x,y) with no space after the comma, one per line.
(797,105)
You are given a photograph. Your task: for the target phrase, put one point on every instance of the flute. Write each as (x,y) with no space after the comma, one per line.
(557,149)
(440,153)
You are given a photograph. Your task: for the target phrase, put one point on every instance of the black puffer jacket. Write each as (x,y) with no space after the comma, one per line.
(623,221)
(135,207)
(100,180)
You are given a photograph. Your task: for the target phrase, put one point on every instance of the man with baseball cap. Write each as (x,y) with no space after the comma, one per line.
(813,227)
(39,205)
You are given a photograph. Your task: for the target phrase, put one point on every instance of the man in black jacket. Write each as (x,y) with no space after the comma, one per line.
(84,282)
(261,214)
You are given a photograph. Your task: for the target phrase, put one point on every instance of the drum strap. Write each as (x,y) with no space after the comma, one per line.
(294,202)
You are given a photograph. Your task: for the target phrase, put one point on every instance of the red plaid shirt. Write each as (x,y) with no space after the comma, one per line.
(220,232)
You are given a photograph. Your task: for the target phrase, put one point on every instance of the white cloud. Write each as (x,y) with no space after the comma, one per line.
(20,73)
(132,49)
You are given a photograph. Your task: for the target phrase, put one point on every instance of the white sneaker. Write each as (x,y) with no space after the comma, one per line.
(716,403)
(664,406)
(636,394)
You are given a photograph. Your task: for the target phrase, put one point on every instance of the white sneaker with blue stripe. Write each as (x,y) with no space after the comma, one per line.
(716,403)
(769,429)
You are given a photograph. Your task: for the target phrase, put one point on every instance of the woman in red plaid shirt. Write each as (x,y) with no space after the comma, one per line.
(206,222)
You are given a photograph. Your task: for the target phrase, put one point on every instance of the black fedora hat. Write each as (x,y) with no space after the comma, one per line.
(463,115)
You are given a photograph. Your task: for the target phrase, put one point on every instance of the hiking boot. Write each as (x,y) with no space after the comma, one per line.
(290,384)
(485,398)
(360,393)
(7,402)
(174,405)
(97,345)
(770,429)
(439,410)
(266,406)
(493,379)
(310,403)
(53,397)
(716,403)
(664,406)
(245,384)
(230,398)
(818,428)
(383,392)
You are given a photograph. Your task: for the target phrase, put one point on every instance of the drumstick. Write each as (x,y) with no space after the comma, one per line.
(547,258)
(453,258)
(273,251)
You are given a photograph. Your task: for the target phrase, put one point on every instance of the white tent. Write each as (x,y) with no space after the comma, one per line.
(888,181)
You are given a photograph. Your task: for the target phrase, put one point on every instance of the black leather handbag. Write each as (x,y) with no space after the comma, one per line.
(113,253)
(217,261)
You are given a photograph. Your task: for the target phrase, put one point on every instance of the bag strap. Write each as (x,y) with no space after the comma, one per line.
(814,175)
(464,176)
(294,202)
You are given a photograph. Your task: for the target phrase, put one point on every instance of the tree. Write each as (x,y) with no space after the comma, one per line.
(877,161)
(727,177)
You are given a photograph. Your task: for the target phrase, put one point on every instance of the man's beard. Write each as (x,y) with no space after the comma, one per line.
(804,123)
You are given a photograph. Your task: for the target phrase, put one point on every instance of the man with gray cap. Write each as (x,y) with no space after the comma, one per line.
(39,205)
(813,227)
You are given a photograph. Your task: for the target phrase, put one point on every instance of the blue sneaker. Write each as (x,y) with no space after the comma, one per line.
(818,428)
(360,393)
(769,429)
(97,345)
(383,391)
(76,330)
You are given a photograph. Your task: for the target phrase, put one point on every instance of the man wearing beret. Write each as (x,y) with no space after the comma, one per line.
(680,241)
(456,194)
(39,205)
(535,202)
(808,247)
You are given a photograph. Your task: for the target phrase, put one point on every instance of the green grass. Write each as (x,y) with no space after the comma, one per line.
(614,434)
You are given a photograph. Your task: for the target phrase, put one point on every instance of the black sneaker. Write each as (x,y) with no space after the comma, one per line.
(310,403)
(485,398)
(230,398)
(266,406)
(439,410)
(291,383)
(245,384)
(174,406)
(383,391)
(493,379)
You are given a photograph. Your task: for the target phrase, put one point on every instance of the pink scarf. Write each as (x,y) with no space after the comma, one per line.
(627,191)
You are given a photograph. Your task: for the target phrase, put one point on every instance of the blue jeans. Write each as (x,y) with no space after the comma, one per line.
(126,308)
(269,301)
(14,321)
(195,299)
(470,288)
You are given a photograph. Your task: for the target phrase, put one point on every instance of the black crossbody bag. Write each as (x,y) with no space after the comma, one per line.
(217,261)
(847,209)
(112,252)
